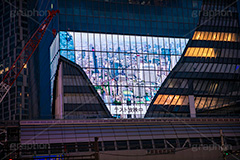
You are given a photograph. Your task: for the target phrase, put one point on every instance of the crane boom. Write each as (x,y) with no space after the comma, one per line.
(24,56)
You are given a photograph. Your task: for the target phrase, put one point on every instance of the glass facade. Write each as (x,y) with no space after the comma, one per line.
(156,18)
(205,82)
(126,70)
(13,36)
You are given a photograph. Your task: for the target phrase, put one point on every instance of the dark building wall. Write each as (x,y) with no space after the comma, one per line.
(13,36)
(169,18)
(33,68)
(40,72)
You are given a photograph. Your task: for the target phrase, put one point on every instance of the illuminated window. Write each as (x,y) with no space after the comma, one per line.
(196,35)
(222,36)
(230,37)
(215,36)
(163,100)
(225,37)
(6,69)
(171,100)
(180,100)
(200,52)
(175,99)
(158,99)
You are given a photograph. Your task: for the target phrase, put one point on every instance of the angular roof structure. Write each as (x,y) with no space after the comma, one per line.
(74,95)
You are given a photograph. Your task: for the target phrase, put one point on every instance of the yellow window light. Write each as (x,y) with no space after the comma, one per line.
(180,101)
(206,35)
(209,35)
(200,52)
(163,99)
(195,51)
(201,35)
(158,99)
(6,69)
(234,37)
(218,36)
(171,100)
(175,99)
(187,52)
(215,36)
(222,37)
(195,35)
(229,37)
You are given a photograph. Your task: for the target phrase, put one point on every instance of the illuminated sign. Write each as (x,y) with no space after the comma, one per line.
(49,157)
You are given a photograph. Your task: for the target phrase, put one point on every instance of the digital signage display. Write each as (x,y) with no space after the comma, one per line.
(126,70)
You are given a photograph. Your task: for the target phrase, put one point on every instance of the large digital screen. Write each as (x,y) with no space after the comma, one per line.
(126,70)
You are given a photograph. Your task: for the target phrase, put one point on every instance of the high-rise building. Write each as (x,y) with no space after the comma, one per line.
(39,78)
(13,36)
(126,48)
(206,80)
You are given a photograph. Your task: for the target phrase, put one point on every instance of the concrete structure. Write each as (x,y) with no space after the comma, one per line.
(134,139)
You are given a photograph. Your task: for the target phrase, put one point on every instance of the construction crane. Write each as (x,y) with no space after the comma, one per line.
(24,56)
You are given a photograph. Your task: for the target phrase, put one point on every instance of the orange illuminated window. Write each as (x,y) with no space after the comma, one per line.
(171,100)
(201,35)
(195,51)
(175,99)
(180,100)
(215,36)
(234,37)
(185,101)
(210,35)
(200,52)
(163,99)
(158,99)
(222,37)
(229,37)
(206,35)
(225,37)
(218,36)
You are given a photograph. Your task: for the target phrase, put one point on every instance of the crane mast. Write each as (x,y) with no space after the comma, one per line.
(24,56)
